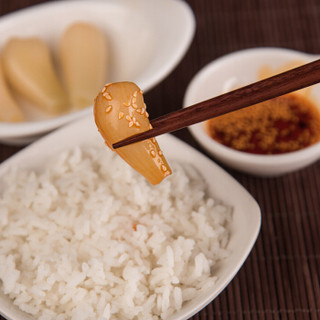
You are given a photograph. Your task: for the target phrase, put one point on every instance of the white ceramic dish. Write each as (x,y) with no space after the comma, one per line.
(236,70)
(246,214)
(145,42)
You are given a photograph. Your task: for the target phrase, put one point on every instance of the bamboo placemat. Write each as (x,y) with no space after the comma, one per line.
(280,278)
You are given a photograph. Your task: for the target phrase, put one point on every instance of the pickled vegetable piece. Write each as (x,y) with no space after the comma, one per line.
(29,69)
(9,109)
(120,112)
(83,56)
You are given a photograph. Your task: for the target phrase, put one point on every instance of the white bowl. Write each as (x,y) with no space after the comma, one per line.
(244,227)
(236,70)
(145,42)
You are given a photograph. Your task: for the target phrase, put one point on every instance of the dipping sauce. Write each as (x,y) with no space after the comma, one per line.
(284,124)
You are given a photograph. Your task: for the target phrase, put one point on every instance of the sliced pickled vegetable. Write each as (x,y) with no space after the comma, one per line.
(84,57)
(9,109)
(29,69)
(120,112)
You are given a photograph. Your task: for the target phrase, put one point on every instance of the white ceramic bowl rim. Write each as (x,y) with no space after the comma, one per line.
(34,127)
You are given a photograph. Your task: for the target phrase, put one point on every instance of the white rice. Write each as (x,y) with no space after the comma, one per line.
(89,238)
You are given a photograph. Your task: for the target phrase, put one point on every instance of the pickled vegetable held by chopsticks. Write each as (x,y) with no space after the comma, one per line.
(119,112)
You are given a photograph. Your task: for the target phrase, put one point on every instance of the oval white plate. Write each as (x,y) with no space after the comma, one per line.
(239,69)
(246,213)
(147,39)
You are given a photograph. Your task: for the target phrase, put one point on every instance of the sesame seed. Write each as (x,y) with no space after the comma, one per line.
(135,105)
(160,153)
(164,168)
(108,109)
(130,124)
(141,91)
(121,114)
(152,153)
(147,114)
(127,104)
(135,94)
(153,140)
(107,96)
(138,110)
(128,118)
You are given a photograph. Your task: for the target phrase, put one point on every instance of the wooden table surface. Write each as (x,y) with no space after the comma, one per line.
(280,279)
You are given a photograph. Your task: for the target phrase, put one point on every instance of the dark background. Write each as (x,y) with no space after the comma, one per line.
(280,279)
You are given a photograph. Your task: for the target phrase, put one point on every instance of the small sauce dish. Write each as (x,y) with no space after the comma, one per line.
(239,69)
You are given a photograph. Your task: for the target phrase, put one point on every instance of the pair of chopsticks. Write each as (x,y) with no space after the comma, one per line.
(254,93)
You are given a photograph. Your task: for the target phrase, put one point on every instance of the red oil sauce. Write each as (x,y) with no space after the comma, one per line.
(284,124)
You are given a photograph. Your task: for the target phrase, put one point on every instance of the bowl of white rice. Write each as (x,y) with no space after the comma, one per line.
(83,236)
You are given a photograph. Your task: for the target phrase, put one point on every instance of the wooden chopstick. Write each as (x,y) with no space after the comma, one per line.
(260,91)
